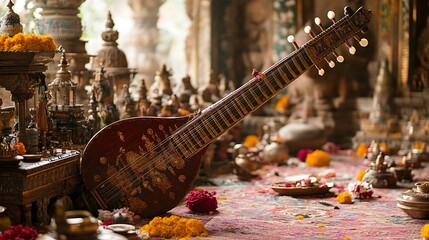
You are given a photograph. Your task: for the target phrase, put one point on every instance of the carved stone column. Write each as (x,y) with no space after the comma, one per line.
(60,20)
(144,37)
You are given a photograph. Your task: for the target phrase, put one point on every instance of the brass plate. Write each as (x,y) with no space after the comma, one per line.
(301,191)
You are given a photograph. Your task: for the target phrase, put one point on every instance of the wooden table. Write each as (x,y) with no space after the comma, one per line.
(28,189)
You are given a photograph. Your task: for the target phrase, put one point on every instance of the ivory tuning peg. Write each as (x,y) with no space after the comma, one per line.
(331,15)
(291,39)
(363,42)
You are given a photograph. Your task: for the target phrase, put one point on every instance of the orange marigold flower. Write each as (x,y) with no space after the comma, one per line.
(345,198)
(385,148)
(362,150)
(282,103)
(175,227)
(20,148)
(251,141)
(27,42)
(425,231)
(420,145)
(184,112)
(346,238)
(318,158)
(360,175)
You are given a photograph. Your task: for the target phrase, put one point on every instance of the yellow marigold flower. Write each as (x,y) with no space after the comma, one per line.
(360,175)
(385,148)
(318,158)
(362,150)
(282,103)
(425,231)
(175,227)
(251,141)
(320,225)
(345,198)
(299,217)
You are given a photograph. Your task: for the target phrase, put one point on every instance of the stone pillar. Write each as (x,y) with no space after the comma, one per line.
(60,20)
(144,36)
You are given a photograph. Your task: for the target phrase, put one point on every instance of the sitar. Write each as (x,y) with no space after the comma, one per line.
(149,164)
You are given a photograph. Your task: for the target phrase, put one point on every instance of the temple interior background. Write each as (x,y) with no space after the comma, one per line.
(123,59)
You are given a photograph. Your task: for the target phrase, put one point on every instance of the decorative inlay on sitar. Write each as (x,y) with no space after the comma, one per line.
(149,164)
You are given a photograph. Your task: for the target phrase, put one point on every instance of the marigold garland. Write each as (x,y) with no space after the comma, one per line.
(27,42)
(345,198)
(318,158)
(175,227)
(425,231)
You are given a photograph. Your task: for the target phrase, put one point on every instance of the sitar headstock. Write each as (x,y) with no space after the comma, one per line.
(322,45)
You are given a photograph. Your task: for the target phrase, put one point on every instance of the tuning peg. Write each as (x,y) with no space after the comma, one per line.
(318,22)
(352,50)
(363,42)
(331,15)
(320,70)
(291,39)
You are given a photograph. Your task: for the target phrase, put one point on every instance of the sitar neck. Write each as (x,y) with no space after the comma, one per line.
(215,120)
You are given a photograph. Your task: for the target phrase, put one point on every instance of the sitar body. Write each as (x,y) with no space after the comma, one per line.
(131,163)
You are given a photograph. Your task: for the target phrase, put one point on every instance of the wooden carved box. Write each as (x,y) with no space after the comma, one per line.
(27,190)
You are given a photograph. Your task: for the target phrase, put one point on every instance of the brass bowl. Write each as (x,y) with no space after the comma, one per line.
(415,212)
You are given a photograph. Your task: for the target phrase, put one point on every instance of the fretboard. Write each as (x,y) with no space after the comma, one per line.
(215,120)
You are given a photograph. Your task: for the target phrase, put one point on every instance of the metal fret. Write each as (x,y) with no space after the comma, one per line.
(296,64)
(191,145)
(180,148)
(248,101)
(261,88)
(279,84)
(186,143)
(291,64)
(239,108)
(289,69)
(217,127)
(301,61)
(258,92)
(270,85)
(204,136)
(235,114)
(226,118)
(255,96)
(245,103)
(208,130)
(284,76)
(195,136)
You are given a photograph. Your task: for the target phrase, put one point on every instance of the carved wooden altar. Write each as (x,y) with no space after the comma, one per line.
(28,189)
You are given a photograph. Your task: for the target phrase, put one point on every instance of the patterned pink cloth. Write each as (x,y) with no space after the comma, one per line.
(252,210)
